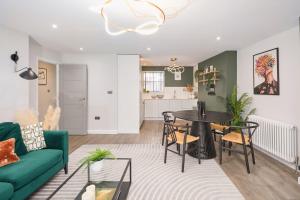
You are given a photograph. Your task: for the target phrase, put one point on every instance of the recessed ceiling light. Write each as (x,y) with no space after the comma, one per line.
(81,49)
(148,49)
(54,26)
(218,38)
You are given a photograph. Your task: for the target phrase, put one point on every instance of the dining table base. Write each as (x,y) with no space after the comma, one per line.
(203,130)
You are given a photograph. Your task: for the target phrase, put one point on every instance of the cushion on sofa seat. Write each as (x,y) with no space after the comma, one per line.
(11,130)
(6,191)
(30,166)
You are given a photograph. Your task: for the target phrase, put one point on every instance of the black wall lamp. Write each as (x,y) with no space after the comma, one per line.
(28,74)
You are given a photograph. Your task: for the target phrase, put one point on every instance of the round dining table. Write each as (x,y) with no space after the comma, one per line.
(201,127)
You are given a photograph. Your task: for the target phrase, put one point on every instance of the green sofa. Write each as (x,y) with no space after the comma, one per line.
(35,168)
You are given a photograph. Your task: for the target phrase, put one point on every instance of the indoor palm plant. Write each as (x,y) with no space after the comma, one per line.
(239,107)
(95,158)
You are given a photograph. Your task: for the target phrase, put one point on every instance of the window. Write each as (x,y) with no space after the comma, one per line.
(154,81)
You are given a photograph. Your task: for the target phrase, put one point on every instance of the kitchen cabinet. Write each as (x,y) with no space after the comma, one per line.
(155,107)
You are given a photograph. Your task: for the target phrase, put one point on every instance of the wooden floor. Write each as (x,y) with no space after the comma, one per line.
(269,179)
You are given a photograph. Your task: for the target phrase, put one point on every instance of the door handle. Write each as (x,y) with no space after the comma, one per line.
(82,99)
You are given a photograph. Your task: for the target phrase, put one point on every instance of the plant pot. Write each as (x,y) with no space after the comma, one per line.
(97,166)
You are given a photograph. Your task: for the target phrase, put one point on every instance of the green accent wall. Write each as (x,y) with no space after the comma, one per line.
(187,77)
(226,63)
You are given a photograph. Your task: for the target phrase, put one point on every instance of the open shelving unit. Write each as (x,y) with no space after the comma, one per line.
(203,77)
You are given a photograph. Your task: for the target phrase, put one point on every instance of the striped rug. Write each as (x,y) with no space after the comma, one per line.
(152,179)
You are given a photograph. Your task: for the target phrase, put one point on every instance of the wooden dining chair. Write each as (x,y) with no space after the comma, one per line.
(218,129)
(169,118)
(241,135)
(181,138)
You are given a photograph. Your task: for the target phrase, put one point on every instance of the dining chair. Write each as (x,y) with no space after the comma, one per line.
(218,129)
(180,138)
(241,135)
(168,118)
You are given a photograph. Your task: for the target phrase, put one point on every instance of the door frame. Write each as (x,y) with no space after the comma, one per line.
(37,82)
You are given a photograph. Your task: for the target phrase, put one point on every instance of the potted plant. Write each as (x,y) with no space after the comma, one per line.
(239,107)
(95,159)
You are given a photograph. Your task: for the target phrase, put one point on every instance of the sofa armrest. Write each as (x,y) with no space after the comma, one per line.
(58,140)
(6,190)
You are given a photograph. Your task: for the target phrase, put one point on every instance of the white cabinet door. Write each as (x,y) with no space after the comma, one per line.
(175,105)
(163,105)
(148,108)
(188,104)
(151,108)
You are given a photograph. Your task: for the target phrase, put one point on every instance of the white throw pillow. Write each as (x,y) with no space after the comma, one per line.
(33,136)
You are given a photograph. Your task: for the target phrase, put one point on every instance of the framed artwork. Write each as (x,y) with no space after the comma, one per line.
(42,76)
(266,72)
(177,76)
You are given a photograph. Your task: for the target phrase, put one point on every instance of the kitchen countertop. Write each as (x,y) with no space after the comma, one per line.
(169,99)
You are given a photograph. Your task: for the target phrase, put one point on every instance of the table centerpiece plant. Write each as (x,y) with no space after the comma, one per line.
(95,159)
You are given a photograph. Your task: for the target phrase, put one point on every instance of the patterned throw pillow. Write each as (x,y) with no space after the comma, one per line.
(33,136)
(7,152)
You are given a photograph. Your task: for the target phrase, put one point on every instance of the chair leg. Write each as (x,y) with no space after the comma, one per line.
(252,152)
(183,157)
(246,158)
(163,136)
(199,151)
(166,150)
(215,136)
(229,146)
(178,148)
(220,149)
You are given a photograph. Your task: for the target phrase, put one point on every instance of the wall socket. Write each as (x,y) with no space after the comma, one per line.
(299,180)
(97,117)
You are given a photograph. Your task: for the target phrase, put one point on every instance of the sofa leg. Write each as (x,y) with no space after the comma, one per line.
(66,169)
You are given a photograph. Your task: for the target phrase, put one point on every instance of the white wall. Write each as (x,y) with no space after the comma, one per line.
(13,89)
(102,77)
(129,93)
(284,107)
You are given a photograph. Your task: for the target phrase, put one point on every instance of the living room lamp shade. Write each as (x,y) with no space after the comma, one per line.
(28,74)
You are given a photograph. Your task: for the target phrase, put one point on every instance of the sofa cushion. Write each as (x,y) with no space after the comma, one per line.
(6,190)
(30,166)
(11,130)
(7,152)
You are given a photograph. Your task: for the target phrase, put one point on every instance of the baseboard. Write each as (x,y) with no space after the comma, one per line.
(102,132)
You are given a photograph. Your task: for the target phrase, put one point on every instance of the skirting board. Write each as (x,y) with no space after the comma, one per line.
(102,132)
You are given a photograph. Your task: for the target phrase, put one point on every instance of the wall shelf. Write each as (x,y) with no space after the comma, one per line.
(203,77)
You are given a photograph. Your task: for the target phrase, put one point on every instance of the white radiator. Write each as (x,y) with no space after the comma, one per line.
(276,138)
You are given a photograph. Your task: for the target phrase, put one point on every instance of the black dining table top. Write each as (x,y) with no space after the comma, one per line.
(211,116)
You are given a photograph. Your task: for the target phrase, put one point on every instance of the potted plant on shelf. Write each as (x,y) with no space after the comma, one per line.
(239,107)
(95,158)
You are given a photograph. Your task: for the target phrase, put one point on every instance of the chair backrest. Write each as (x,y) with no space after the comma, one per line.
(247,128)
(171,131)
(167,116)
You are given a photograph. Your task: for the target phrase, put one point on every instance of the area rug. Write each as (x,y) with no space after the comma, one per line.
(154,180)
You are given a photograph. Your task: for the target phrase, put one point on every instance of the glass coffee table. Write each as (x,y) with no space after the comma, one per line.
(112,180)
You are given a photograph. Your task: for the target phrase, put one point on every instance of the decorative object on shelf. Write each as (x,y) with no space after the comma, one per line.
(28,74)
(175,69)
(189,88)
(95,159)
(42,76)
(208,76)
(212,90)
(154,10)
(266,72)
(239,107)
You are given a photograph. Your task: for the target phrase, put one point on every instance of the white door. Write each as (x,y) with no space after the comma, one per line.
(73,98)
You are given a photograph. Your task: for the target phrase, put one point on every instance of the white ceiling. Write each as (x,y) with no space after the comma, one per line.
(191,36)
